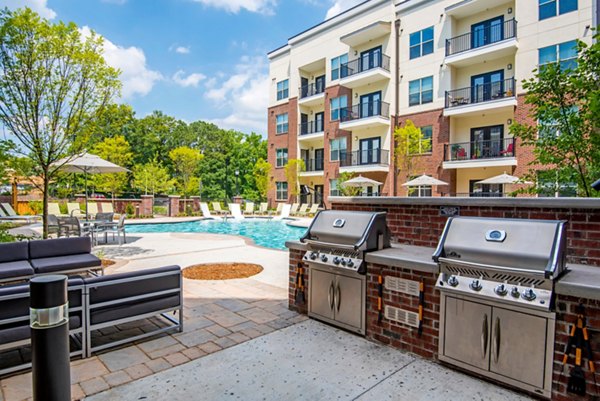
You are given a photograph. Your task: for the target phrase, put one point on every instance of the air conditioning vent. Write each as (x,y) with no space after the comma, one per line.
(401,285)
(401,316)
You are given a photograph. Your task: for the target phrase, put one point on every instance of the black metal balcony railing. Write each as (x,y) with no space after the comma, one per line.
(480,194)
(364,157)
(311,127)
(477,150)
(312,89)
(363,64)
(481,37)
(313,164)
(481,93)
(365,110)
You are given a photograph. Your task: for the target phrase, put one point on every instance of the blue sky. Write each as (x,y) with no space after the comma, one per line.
(193,59)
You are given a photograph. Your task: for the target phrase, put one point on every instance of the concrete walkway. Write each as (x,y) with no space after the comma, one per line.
(309,361)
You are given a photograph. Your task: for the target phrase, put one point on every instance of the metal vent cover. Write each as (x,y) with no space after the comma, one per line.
(401,316)
(404,286)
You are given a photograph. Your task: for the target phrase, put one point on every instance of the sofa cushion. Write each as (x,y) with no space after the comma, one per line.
(133,308)
(65,263)
(49,248)
(18,268)
(22,332)
(14,251)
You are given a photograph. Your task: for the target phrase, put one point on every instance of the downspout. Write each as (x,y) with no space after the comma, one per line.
(396,106)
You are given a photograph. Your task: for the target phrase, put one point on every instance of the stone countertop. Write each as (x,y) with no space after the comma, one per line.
(581,281)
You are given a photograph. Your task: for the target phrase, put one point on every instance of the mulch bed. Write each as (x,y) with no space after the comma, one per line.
(221,271)
(107,262)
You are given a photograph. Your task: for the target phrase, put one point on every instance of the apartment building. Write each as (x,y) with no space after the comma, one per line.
(453,67)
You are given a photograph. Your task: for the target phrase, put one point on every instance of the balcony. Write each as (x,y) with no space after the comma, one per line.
(488,43)
(365,70)
(312,94)
(310,130)
(487,153)
(365,160)
(365,115)
(313,167)
(475,99)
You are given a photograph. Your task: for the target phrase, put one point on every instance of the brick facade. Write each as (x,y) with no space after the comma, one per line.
(276,141)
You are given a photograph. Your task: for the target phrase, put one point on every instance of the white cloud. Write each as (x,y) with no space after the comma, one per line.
(191,80)
(235,6)
(136,77)
(340,6)
(182,50)
(244,94)
(39,6)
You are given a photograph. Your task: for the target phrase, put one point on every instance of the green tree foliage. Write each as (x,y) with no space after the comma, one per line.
(54,84)
(410,143)
(185,163)
(5,160)
(116,150)
(150,136)
(566,104)
(152,178)
(347,190)
(261,172)
(292,170)
(113,120)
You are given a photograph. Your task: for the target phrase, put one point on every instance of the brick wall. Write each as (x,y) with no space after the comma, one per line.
(288,140)
(295,258)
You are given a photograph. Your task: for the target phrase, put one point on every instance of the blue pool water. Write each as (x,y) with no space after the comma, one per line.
(267,233)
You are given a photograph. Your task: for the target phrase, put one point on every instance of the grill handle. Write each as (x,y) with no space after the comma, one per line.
(331,296)
(480,266)
(496,340)
(329,244)
(338,298)
(484,336)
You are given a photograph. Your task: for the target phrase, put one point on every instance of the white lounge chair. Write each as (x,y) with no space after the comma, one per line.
(54,208)
(74,209)
(285,212)
(294,208)
(217,208)
(205,211)
(302,210)
(107,207)
(236,211)
(312,211)
(12,215)
(92,209)
(249,209)
(263,208)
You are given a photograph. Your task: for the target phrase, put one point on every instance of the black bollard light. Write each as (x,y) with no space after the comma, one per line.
(49,322)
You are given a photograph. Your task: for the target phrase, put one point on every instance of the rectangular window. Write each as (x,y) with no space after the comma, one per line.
(333,188)
(337,149)
(419,191)
(282,123)
(283,89)
(281,157)
(338,107)
(563,53)
(424,146)
(421,43)
(550,186)
(282,190)
(552,8)
(420,91)
(336,66)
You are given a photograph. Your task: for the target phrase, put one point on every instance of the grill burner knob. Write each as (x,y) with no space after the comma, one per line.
(515,292)
(453,281)
(313,255)
(529,294)
(476,285)
(350,263)
(336,260)
(343,262)
(501,290)
(324,258)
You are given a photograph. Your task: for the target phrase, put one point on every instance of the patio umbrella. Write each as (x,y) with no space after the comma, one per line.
(360,181)
(88,164)
(503,179)
(424,180)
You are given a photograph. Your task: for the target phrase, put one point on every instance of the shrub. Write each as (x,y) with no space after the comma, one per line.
(130,210)
(36,206)
(160,210)
(63,208)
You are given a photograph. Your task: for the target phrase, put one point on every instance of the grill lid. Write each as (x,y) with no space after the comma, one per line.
(531,246)
(344,229)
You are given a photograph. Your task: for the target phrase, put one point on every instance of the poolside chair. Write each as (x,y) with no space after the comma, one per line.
(294,208)
(54,208)
(113,228)
(217,208)
(92,209)
(10,212)
(74,209)
(107,207)
(285,212)
(205,211)
(263,208)
(302,210)
(312,211)
(236,211)
(249,209)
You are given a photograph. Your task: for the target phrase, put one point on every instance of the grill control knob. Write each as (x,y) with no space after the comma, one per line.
(336,260)
(529,294)
(350,263)
(476,285)
(515,292)
(324,258)
(453,281)
(313,255)
(501,290)
(343,262)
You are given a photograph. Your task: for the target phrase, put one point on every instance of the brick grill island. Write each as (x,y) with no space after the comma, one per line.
(416,224)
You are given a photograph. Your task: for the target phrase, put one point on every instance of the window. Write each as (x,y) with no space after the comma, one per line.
(336,66)
(419,191)
(338,107)
(420,91)
(282,190)
(337,149)
(281,157)
(333,188)
(283,89)
(550,128)
(563,53)
(424,146)
(282,123)
(552,8)
(421,43)
(550,186)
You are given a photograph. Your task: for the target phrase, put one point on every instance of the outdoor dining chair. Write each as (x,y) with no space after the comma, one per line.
(113,228)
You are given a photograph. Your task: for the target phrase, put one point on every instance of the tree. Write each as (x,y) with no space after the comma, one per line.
(152,178)
(118,151)
(185,163)
(54,84)
(564,100)
(347,190)
(5,160)
(410,143)
(292,169)
(261,172)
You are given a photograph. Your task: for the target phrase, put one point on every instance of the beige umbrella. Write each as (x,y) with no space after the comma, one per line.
(424,180)
(360,181)
(503,179)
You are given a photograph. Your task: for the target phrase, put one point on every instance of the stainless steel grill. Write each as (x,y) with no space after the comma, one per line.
(337,242)
(496,281)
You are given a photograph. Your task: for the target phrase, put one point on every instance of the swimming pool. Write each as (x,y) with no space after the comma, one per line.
(267,233)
